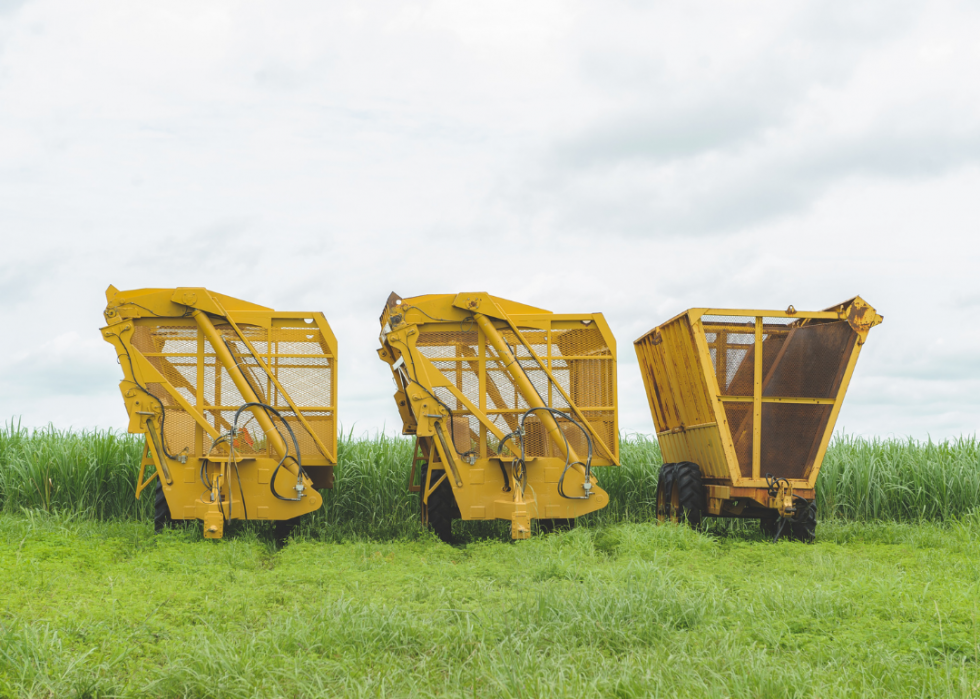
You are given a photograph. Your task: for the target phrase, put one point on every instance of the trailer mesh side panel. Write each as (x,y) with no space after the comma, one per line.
(740,422)
(811,365)
(580,361)
(295,352)
(798,361)
(790,437)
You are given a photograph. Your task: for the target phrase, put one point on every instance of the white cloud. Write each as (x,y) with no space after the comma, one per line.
(610,156)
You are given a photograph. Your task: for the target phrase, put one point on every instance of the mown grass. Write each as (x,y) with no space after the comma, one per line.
(93,609)
(861,480)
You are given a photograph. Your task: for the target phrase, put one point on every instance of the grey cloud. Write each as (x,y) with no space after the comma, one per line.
(9,7)
(680,133)
(688,113)
(278,75)
(935,366)
(21,281)
(966,301)
(226,242)
(677,121)
(897,153)
(862,23)
(740,145)
(44,374)
(635,193)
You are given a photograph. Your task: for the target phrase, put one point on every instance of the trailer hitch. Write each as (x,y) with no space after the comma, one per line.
(782,500)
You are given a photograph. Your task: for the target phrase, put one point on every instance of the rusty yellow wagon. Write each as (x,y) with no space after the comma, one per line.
(745,402)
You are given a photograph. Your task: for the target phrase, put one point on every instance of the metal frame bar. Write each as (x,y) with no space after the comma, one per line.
(147,370)
(714,389)
(777,399)
(839,401)
(757,402)
(753,313)
(547,370)
(523,384)
(265,367)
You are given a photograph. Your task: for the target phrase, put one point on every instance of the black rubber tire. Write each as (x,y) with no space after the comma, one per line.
(555,525)
(803,527)
(687,480)
(283,528)
(769,525)
(161,511)
(442,509)
(665,482)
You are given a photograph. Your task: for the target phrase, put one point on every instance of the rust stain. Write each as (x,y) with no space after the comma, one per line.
(857,317)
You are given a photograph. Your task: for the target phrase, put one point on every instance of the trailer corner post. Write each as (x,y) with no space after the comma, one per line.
(757,403)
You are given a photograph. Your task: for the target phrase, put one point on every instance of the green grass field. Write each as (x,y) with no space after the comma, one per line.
(92,609)
(363,602)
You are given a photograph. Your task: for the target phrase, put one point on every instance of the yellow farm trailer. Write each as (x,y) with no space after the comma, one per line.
(511,407)
(744,402)
(238,403)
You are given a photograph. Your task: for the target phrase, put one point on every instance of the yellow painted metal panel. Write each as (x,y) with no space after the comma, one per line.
(701,444)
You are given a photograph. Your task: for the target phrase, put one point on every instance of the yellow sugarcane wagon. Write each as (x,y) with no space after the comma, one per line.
(511,407)
(745,402)
(238,403)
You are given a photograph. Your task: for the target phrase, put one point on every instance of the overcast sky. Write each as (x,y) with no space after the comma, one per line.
(625,157)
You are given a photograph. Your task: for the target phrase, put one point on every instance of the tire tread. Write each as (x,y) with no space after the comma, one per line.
(442,508)
(161,510)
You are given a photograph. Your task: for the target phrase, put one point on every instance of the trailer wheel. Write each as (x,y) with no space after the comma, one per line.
(690,493)
(161,511)
(283,528)
(803,527)
(769,525)
(665,488)
(442,508)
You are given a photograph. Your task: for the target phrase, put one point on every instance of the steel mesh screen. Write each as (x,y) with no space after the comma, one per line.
(172,351)
(740,422)
(297,356)
(581,364)
(300,361)
(251,440)
(178,426)
(730,341)
(306,380)
(790,437)
(465,433)
(585,341)
(603,422)
(811,363)
(320,422)
(800,359)
(448,344)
